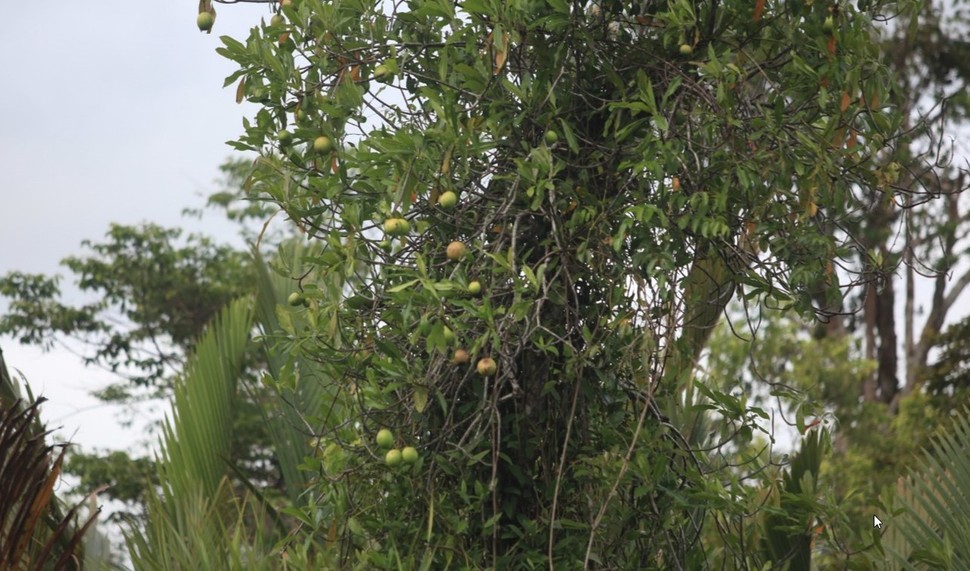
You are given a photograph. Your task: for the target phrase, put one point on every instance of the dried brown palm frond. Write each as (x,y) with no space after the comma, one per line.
(34,533)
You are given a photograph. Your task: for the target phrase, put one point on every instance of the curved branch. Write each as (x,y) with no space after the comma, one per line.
(955,291)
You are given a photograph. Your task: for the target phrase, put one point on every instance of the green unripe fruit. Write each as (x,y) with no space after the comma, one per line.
(486,367)
(393,458)
(475,287)
(448,200)
(385,438)
(686,49)
(276,20)
(829,24)
(448,334)
(396,226)
(384,245)
(551,137)
(409,455)
(284,137)
(296,298)
(383,73)
(322,145)
(205,21)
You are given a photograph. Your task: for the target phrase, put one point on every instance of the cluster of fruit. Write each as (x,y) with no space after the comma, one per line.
(321,145)
(397,226)
(456,250)
(395,456)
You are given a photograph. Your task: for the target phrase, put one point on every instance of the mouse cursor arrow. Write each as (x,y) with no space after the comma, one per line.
(876,522)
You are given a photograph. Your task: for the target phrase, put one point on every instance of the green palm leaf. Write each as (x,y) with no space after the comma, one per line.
(288,417)
(934,524)
(285,426)
(197,520)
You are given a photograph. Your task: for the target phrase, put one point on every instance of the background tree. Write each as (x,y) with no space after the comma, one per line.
(874,374)
(925,238)
(154,291)
(200,512)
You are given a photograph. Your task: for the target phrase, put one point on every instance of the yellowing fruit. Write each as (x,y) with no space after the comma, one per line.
(448,334)
(322,145)
(448,200)
(460,357)
(205,21)
(486,367)
(396,226)
(456,251)
(383,73)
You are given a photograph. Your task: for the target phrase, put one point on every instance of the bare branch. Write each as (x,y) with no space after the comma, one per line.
(955,291)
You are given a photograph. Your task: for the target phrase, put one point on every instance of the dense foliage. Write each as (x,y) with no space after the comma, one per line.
(620,173)
(524,220)
(153,293)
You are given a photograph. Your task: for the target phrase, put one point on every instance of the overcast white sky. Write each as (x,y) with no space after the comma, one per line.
(109,112)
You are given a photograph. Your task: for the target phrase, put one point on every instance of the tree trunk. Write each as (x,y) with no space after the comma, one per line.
(885,318)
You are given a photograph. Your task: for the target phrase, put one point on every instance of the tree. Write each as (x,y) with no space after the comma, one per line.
(201,513)
(930,527)
(194,523)
(913,223)
(917,253)
(153,295)
(154,291)
(699,150)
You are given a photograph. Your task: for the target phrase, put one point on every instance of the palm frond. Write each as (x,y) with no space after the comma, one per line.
(34,533)
(286,416)
(934,522)
(193,524)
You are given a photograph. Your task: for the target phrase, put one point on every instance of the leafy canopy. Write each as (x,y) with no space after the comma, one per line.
(698,150)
